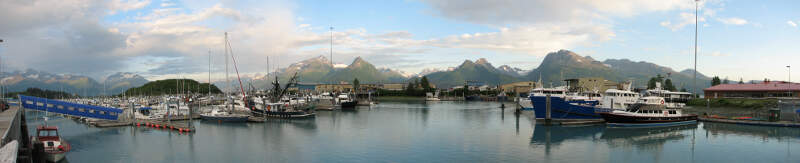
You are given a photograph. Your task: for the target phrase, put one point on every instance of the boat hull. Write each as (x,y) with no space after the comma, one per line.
(473,98)
(224,118)
(631,119)
(525,104)
(278,114)
(663,124)
(561,109)
(54,156)
(349,104)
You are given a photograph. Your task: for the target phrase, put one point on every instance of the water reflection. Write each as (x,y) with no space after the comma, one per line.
(764,133)
(652,139)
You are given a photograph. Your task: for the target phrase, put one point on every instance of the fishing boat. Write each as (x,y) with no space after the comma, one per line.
(565,107)
(562,104)
(648,111)
(282,110)
(55,148)
(346,102)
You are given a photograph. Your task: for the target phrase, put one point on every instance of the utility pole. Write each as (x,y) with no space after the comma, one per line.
(694,82)
(331,46)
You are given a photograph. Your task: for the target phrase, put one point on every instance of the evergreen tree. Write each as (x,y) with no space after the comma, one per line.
(715,81)
(410,89)
(726,81)
(425,84)
(652,83)
(741,81)
(356,84)
(668,85)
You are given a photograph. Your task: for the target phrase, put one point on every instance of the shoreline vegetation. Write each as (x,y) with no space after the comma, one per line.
(733,103)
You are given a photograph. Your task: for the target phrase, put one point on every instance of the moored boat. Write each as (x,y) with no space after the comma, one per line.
(55,148)
(222,116)
(274,111)
(648,111)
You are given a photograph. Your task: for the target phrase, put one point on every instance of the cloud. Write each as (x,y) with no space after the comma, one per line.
(791,23)
(733,21)
(685,19)
(719,54)
(59,36)
(126,5)
(503,12)
(532,40)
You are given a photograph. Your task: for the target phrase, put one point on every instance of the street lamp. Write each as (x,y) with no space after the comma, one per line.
(790,73)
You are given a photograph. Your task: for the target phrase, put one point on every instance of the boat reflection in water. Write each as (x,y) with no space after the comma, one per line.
(644,138)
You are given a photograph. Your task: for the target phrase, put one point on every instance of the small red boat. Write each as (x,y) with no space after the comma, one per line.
(55,148)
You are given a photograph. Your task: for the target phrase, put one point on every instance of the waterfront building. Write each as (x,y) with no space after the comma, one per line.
(334,87)
(518,88)
(591,84)
(393,86)
(767,89)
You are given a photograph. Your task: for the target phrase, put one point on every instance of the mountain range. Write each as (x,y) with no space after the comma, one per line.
(76,84)
(555,67)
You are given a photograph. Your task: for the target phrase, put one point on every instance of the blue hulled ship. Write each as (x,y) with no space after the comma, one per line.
(565,107)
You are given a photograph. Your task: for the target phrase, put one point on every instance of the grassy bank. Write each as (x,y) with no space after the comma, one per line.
(734,103)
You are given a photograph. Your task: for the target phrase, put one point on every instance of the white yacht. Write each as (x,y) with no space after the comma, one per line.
(618,99)
(671,99)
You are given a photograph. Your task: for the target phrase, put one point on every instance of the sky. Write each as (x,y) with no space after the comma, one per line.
(162,39)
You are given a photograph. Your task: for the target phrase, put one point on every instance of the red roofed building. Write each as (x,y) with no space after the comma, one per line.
(769,89)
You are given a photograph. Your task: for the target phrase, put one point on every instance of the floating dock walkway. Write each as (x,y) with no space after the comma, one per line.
(749,122)
(177,126)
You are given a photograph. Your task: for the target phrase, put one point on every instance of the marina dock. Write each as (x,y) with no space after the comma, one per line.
(177,126)
(749,122)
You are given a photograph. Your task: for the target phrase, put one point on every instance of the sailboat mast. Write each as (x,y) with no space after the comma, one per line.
(227,80)
(209,73)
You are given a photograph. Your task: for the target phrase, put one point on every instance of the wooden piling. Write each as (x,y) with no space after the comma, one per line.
(547,118)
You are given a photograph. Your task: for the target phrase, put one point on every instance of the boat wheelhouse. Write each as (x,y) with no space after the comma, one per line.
(649,109)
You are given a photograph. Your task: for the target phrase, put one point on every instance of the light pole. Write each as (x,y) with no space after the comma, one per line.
(694,81)
(790,73)
(331,47)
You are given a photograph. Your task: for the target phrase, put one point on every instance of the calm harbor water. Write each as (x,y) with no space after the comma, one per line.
(427,132)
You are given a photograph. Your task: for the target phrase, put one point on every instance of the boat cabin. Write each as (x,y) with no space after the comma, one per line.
(652,106)
(48,135)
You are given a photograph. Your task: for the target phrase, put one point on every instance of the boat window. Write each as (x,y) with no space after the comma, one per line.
(91,111)
(102,113)
(49,105)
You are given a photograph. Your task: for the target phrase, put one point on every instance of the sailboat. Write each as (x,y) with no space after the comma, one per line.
(225,115)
